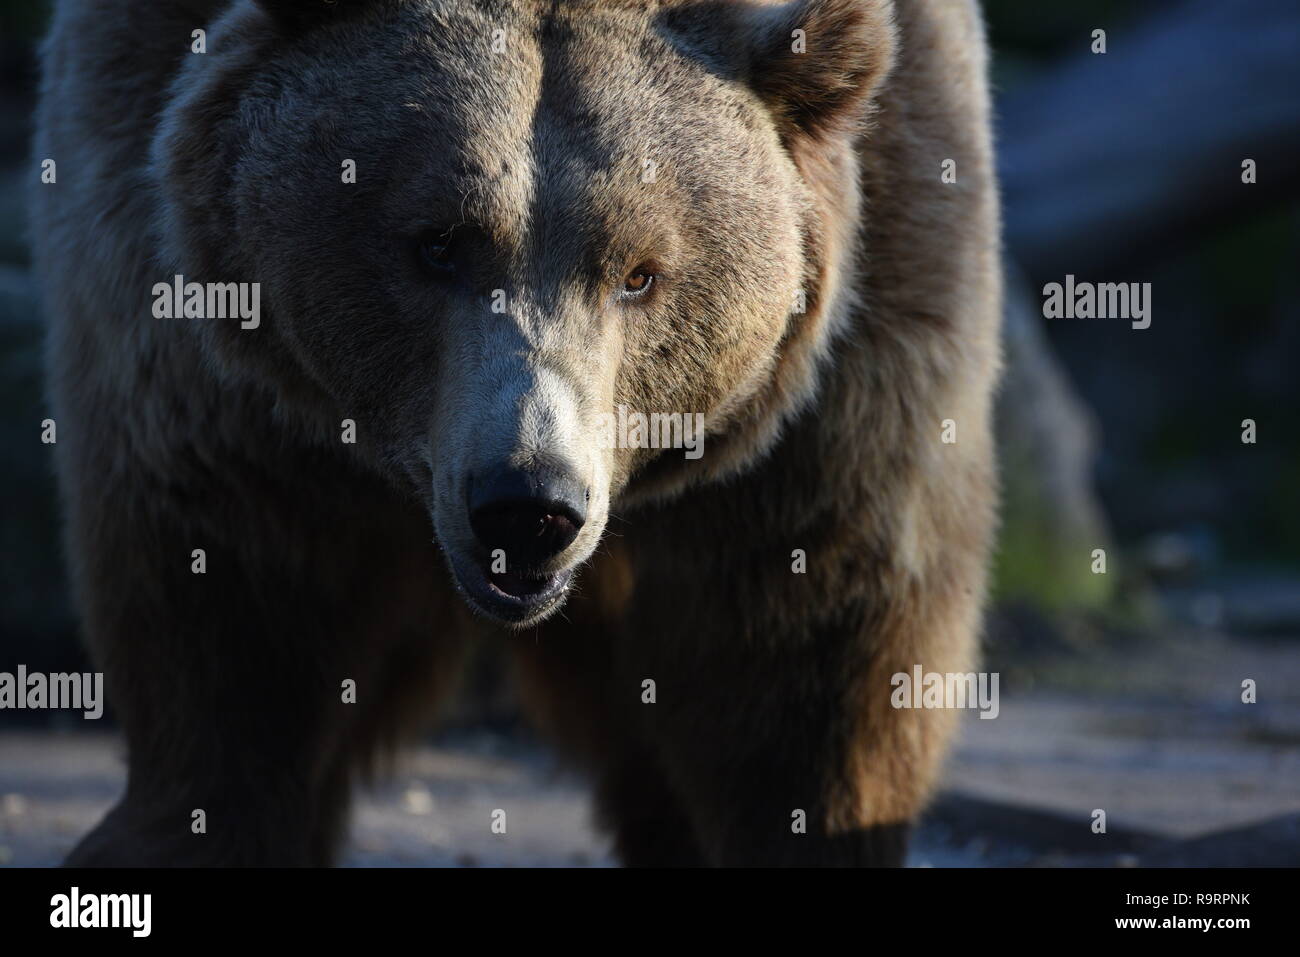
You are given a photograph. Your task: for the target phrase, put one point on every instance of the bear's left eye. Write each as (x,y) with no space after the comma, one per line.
(638,282)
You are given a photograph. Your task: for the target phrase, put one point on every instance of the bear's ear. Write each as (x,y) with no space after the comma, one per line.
(300,14)
(815,63)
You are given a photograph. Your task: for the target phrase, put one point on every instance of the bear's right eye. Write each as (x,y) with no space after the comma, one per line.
(434,253)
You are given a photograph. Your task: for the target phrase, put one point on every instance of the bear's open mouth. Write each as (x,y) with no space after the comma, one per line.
(518,584)
(518,597)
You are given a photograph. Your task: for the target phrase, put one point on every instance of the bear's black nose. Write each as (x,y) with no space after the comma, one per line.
(531,515)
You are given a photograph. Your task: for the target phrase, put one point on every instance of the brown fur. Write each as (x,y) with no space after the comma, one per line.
(777,172)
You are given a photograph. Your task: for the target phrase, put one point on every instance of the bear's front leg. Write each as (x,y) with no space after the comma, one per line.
(773,667)
(260,634)
(783,746)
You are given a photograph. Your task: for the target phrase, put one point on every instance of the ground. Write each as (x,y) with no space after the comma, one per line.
(1154,733)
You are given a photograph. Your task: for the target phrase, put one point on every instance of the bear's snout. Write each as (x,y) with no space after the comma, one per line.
(526,525)
(531,516)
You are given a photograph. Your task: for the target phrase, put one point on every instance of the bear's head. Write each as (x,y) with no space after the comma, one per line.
(525,244)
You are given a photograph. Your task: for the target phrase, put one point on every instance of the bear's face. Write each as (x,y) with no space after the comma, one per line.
(493,234)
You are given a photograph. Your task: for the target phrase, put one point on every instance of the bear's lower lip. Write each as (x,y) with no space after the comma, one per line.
(513,598)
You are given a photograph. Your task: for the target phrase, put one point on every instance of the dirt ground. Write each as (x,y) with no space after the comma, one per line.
(1156,736)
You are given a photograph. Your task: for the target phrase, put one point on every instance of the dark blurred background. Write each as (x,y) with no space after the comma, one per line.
(1117,167)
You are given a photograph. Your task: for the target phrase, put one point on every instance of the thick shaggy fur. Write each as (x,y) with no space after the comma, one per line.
(776,172)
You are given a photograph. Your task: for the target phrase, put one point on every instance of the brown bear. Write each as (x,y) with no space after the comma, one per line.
(381,326)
